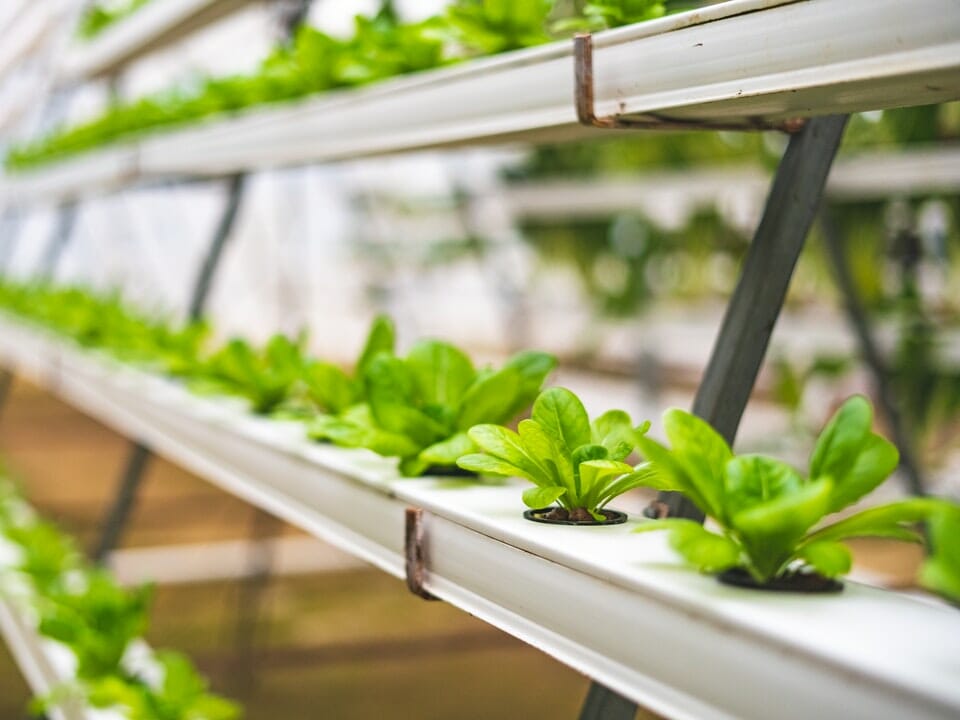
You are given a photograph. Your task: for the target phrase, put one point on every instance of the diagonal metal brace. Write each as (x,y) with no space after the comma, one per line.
(118,514)
(414,554)
(741,345)
(585,98)
(748,323)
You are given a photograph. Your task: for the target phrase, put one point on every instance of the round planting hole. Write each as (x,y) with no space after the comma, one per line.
(797,582)
(550,517)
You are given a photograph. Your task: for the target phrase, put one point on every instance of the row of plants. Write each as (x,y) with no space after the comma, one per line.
(435,412)
(101,623)
(381,46)
(100,15)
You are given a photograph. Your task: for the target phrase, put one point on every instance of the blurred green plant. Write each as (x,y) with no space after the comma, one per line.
(419,407)
(88,612)
(100,15)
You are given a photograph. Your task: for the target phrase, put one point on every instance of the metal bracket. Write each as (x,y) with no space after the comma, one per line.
(584,95)
(414,554)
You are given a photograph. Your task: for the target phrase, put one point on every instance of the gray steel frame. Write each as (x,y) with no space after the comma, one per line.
(118,514)
(740,346)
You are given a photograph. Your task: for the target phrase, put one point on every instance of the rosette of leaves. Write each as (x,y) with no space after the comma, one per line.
(330,388)
(941,571)
(265,377)
(97,621)
(384,47)
(99,16)
(765,510)
(420,407)
(486,27)
(182,694)
(46,554)
(570,460)
(602,14)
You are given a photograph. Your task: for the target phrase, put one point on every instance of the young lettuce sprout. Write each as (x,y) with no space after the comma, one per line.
(941,572)
(766,510)
(182,695)
(97,622)
(97,619)
(333,390)
(485,27)
(265,377)
(420,407)
(568,459)
(602,14)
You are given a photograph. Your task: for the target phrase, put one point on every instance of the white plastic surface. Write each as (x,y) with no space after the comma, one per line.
(734,62)
(150,28)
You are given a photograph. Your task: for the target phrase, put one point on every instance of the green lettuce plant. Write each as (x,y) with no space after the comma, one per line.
(330,388)
(181,695)
(265,377)
(568,459)
(98,16)
(106,322)
(97,621)
(768,515)
(419,407)
(603,14)
(941,571)
(46,554)
(485,27)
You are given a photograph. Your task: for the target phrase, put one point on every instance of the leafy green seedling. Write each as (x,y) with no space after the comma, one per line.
(602,14)
(486,27)
(568,459)
(420,407)
(98,16)
(766,510)
(941,571)
(47,555)
(266,378)
(97,621)
(182,695)
(333,390)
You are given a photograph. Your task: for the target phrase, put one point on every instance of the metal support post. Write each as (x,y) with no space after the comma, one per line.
(10,222)
(750,317)
(860,324)
(59,239)
(115,521)
(755,306)
(201,288)
(250,600)
(6,382)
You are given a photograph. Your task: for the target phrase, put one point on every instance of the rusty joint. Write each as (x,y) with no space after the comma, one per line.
(585,102)
(415,554)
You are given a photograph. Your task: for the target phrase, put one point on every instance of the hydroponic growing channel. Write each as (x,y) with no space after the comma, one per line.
(613,605)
